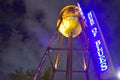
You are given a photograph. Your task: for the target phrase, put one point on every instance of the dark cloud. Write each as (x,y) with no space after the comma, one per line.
(19,7)
(3,76)
(4,5)
(39,15)
(5,32)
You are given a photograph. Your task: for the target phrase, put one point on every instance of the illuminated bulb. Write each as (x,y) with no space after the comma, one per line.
(118,74)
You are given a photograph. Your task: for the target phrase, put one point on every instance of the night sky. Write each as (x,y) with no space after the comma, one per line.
(26,27)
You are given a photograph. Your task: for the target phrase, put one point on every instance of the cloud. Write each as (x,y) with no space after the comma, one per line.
(20,54)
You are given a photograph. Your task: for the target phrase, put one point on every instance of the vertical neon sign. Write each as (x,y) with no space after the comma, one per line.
(97,43)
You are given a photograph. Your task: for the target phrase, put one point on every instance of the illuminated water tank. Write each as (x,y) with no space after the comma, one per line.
(68,22)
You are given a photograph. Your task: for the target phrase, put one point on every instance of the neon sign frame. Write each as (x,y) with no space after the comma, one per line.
(97,43)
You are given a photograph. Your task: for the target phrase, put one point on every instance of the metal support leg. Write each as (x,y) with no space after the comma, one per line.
(69,60)
(44,56)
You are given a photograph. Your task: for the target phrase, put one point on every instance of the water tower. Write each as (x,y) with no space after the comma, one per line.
(69,46)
